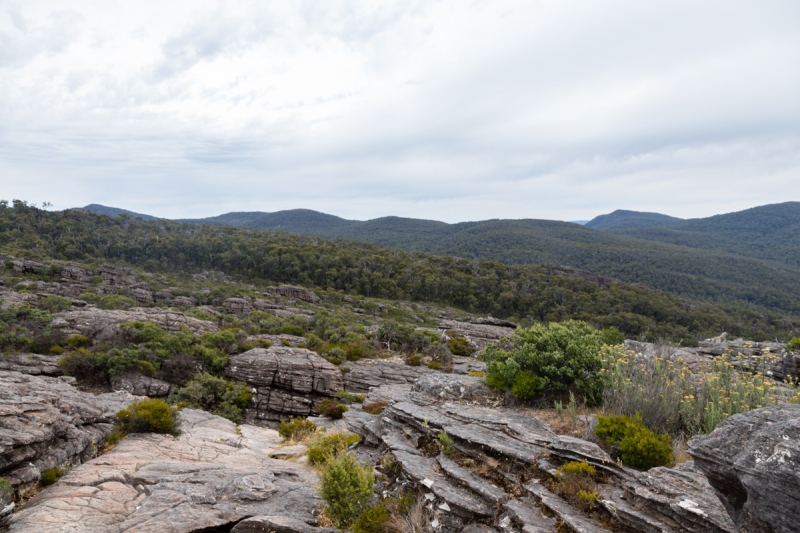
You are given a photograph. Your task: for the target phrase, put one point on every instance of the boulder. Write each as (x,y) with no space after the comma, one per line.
(140,385)
(286,381)
(31,363)
(752,460)
(454,387)
(103,324)
(368,373)
(479,334)
(210,478)
(46,423)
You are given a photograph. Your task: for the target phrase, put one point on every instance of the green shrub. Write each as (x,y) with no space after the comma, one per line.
(445,443)
(638,445)
(50,476)
(78,341)
(5,489)
(215,395)
(574,481)
(54,304)
(346,486)
(148,416)
(459,346)
(527,386)
(414,360)
(577,468)
(109,301)
(297,429)
(327,446)
(612,336)
(562,356)
(375,408)
(476,374)
(350,397)
(589,496)
(297,331)
(373,519)
(643,449)
(331,409)
(434,365)
(793,345)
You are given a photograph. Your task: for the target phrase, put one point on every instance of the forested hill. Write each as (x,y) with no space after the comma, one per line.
(621,218)
(262,257)
(770,232)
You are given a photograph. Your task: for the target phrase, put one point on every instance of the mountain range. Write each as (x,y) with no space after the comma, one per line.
(751,256)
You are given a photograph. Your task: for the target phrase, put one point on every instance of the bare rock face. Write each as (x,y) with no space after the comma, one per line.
(102,324)
(752,460)
(210,477)
(287,381)
(46,423)
(31,363)
(140,385)
(290,291)
(487,331)
(453,386)
(368,373)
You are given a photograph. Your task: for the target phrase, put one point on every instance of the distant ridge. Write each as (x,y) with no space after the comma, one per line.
(113,211)
(630,219)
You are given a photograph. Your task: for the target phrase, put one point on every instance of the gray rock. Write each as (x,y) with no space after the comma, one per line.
(454,387)
(103,324)
(368,373)
(211,476)
(286,381)
(752,460)
(529,517)
(140,385)
(576,521)
(478,334)
(31,363)
(46,423)
(475,483)
(277,524)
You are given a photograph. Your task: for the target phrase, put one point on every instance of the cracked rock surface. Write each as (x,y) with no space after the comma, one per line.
(102,324)
(210,476)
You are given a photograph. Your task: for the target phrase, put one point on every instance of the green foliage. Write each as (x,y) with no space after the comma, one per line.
(215,395)
(560,356)
(612,336)
(577,468)
(526,387)
(293,330)
(346,487)
(5,488)
(459,346)
(109,301)
(793,345)
(373,519)
(54,304)
(589,496)
(297,429)
(350,397)
(50,476)
(434,365)
(414,360)
(375,408)
(445,443)
(78,341)
(331,409)
(476,374)
(638,445)
(574,481)
(327,446)
(148,416)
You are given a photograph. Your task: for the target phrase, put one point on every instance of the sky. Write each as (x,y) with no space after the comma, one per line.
(447,110)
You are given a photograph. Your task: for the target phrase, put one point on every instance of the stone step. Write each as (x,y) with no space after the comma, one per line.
(475,483)
(576,520)
(529,517)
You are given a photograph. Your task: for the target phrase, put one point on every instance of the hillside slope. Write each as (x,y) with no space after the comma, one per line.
(630,219)
(114,211)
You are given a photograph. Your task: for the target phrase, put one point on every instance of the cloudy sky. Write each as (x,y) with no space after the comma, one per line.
(448,110)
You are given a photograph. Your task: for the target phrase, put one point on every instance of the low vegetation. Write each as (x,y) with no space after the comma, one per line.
(297,429)
(50,476)
(331,409)
(149,416)
(346,487)
(575,481)
(635,444)
(328,446)
(215,395)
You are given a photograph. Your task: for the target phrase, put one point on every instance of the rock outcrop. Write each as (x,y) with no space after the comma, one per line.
(479,332)
(103,324)
(140,385)
(30,363)
(46,423)
(286,381)
(752,460)
(210,478)
(291,291)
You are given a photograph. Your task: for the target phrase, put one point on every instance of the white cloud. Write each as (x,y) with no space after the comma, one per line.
(446,110)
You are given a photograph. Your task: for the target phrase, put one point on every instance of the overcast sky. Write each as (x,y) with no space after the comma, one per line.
(453,110)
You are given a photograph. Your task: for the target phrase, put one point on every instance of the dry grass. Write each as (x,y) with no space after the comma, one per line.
(562,423)
(324,520)
(417,520)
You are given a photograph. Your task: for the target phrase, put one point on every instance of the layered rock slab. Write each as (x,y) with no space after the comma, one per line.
(210,476)
(103,324)
(46,423)
(286,381)
(752,460)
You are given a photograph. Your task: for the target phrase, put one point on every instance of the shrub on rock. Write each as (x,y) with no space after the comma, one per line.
(328,446)
(297,429)
(50,476)
(215,395)
(459,346)
(638,446)
(346,486)
(149,416)
(375,408)
(331,409)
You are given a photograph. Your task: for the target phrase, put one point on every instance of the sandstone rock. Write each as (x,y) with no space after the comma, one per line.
(102,324)
(291,291)
(453,386)
(140,385)
(368,373)
(208,477)
(286,381)
(478,334)
(752,460)
(237,306)
(31,363)
(46,423)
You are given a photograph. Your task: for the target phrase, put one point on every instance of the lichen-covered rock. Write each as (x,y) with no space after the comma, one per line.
(103,324)
(286,381)
(211,476)
(46,423)
(752,460)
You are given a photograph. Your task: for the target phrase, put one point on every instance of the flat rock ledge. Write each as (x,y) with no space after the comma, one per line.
(46,423)
(211,476)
